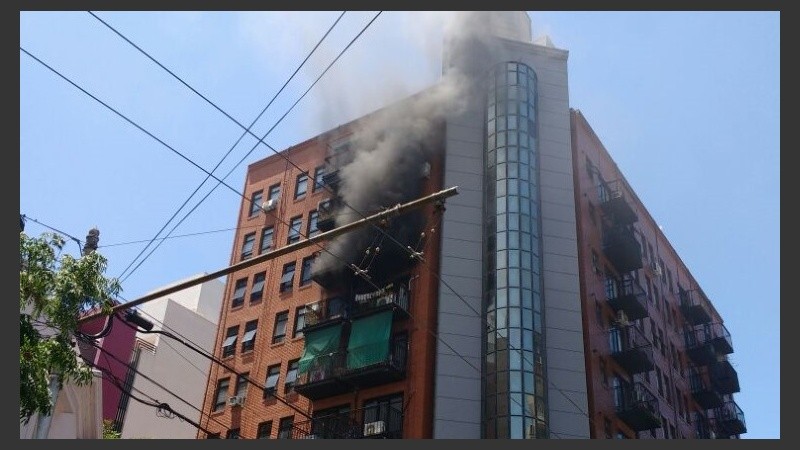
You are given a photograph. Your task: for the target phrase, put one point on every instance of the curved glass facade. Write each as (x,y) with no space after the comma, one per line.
(514,377)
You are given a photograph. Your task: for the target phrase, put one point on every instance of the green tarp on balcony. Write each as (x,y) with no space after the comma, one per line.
(369,340)
(319,343)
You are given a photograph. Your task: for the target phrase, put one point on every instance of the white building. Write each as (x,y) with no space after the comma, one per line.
(193,314)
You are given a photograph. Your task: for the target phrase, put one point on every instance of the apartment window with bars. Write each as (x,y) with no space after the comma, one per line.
(255,202)
(257,292)
(287,278)
(319,172)
(299,322)
(264,430)
(229,344)
(285,428)
(267,235)
(291,376)
(221,396)
(241,385)
(295,225)
(305,270)
(313,218)
(301,186)
(249,338)
(273,375)
(247,245)
(279,332)
(238,293)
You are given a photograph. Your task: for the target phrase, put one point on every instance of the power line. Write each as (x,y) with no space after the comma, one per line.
(261,140)
(247,129)
(78,241)
(199,233)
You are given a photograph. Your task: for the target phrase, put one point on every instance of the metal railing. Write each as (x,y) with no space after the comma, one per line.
(392,294)
(380,421)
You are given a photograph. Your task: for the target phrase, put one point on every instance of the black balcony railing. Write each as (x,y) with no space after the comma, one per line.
(388,424)
(342,371)
(393,296)
(694,307)
(704,391)
(730,420)
(326,220)
(332,179)
(614,200)
(636,406)
(631,349)
(622,248)
(724,377)
(705,427)
(705,343)
(626,295)
(328,311)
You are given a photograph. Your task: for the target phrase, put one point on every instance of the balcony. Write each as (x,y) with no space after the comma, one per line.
(323,377)
(394,297)
(704,391)
(705,343)
(614,201)
(371,365)
(622,248)
(330,311)
(704,427)
(385,422)
(724,377)
(730,420)
(631,349)
(694,307)
(626,295)
(636,406)
(332,179)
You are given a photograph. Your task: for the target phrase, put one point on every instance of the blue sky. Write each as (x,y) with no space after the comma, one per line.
(686,103)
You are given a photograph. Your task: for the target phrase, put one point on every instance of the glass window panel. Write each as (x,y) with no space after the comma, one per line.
(513,239)
(526,280)
(527,320)
(501,171)
(502,298)
(501,139)
(491,323)
(502,358)
(525,207)
(513,123)
(501,278)
(513,154)
(525,190)
(513,219)
(513,204)
(501,205)
(527,360)
(517,432)
(501,186)
(490,158)
(525,260)
(501,240)
(537,302)
(513,169)
(490,112)
(524,157)
(516,386)
(513,317)
(501,123)
(501,259)
(511,108)
(501,222)
(537,320)
(515,339)
(513,258)
(501,155)
(513,187)
(515,360)
(513,296)
(491,125)
(527,299)
(502,317)
(492,141)
(513,277)
(525,223)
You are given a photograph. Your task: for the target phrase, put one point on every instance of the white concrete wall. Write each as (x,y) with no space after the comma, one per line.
(77,414)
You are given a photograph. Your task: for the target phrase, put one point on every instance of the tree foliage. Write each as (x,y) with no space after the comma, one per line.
(108,430)
(54,291)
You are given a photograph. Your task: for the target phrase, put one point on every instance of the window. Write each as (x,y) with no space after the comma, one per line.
(233,433)
(313,218)
(295,226)
(249,338)
(305,271)
(592,214)
(319,172)
(279,332)
(247,245)
(241,385)
(660,382)
(275,192)
(661,342)
(266,238)
(258,287)
(595,262)
(238,293)
(652,253)
(610,286)
(598,312)
(663,272)
(656,297)
(649,288)
(264,430)
(229,344)
(287,279)
(291,376)
(255,202)
(221,396)
(389,410)
(607,427)
(669,281)
(299,322)
(273,374)
(285,428)
(301,186)
(213,436)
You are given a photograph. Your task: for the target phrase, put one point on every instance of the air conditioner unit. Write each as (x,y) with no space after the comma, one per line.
(236,400)
(270,204)
(373,428)
(656,269)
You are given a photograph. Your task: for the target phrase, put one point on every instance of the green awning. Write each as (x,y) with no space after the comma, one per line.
(319,343)
(369,340)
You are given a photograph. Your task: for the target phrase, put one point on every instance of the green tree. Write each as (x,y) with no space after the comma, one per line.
(54,291)
(108,430)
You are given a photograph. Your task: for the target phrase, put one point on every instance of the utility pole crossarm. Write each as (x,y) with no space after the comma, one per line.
(394,211)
